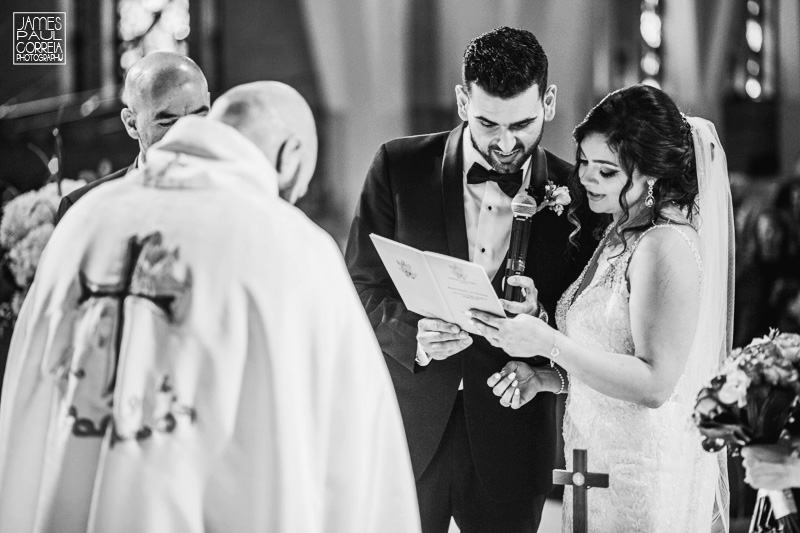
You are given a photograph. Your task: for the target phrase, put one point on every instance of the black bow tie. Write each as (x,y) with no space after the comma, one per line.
(508,183)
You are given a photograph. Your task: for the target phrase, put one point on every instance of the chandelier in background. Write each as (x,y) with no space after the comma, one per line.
(147,26)
(650,23)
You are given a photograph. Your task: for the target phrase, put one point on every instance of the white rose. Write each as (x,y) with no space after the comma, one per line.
(561,196)
(734,389)
(789,345)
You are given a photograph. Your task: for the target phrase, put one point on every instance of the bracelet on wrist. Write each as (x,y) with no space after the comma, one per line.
(563,388)
(541,313)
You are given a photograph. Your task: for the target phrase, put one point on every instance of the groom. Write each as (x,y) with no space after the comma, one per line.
(487,466)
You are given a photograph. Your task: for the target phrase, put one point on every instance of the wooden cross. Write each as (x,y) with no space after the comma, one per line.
(581,481)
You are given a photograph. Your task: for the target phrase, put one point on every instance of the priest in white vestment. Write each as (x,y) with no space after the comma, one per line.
(193,357)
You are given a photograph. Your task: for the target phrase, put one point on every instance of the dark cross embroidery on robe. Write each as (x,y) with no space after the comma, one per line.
(153,274)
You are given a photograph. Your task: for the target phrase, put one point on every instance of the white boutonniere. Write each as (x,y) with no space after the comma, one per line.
(556,198)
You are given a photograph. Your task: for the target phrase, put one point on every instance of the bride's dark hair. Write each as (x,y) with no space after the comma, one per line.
(647,131)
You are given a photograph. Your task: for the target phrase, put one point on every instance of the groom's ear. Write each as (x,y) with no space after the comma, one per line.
(549,102)
(462,100)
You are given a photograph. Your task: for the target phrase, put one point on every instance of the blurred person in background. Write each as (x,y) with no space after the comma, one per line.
(764,258)
(159,89)
(787,203)
(785,296)
(785,300)
(743,205)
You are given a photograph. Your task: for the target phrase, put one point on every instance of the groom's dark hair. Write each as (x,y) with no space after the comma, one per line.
(505,62)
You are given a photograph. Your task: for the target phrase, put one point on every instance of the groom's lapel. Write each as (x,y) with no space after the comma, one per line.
(539,173)
(453,195)
(539,178)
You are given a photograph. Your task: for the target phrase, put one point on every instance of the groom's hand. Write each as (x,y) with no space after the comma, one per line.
(441,339)
(531,304)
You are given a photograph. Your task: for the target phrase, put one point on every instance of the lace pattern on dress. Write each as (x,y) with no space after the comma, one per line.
(653,456)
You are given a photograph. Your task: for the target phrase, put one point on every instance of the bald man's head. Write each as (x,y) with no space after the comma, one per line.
(159,89)
(277,119)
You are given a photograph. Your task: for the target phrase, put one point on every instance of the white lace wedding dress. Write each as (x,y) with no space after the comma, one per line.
(661,480)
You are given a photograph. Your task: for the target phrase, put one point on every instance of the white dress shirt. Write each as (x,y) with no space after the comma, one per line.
(487,212)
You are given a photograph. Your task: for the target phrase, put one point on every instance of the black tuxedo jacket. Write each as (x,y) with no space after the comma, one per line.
(414,194)
(74,196)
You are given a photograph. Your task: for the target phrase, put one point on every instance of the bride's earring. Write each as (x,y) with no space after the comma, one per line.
(650,199)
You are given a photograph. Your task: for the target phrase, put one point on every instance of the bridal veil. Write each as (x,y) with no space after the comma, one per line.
(713,219)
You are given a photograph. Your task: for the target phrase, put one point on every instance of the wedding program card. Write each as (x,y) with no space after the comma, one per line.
(436,285)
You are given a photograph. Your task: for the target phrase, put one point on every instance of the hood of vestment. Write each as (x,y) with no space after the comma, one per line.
(198,152)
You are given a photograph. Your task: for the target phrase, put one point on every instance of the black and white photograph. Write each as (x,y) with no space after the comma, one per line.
(400,266)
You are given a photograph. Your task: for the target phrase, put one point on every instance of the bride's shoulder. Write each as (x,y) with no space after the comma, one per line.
(666,237)
(671,245)
(672,228)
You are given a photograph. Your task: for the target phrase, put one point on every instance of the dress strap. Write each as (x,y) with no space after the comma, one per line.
(698,259)
(682,233)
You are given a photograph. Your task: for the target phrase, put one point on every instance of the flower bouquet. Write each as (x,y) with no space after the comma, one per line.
(28,220)
(751,400)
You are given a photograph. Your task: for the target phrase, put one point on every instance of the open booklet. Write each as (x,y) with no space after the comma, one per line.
(436,285)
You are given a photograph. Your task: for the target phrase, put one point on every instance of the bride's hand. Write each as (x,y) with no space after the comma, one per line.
(522,336)
(531,304)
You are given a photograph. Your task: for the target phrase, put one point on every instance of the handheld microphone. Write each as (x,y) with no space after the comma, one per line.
(523,207)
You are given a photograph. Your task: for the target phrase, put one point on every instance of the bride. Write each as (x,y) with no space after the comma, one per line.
(644,325)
